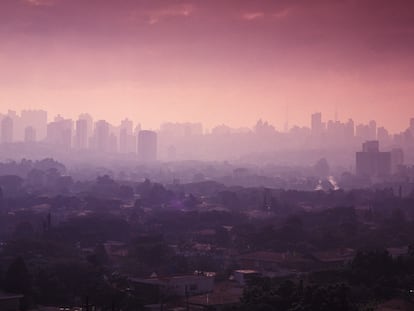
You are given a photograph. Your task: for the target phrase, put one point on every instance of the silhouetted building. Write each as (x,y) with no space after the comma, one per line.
(7,130)
(101,136)
(89,122)
(126,137)
(383,135)
(372,130)
(316,124)
(112,143)
(147,145)
(81,137)
(397,159)
(36,119)
(59,132)
(29,134)
(371,162)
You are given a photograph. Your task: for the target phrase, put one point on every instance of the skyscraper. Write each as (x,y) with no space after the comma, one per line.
(29,134)
(101,136)
(81,136)
(126,139)
(7,130)
(316,124)
(372,130)
(36,119)
(371,162)
(59,132)
(397,159)
(147,146)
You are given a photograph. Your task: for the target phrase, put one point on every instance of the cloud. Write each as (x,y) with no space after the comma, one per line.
(282,13)
(250,16)
(39,2)
(157,15)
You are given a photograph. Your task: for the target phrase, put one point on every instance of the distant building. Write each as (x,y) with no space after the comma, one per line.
(156,288)
(316,124)
(36,119)
(127,140)
(371,162)
(383,135)
(59,132)
(10,302)
(147,146)
(81,136)
(372,130)
(102,132)
(7,130)
(89,122)
(29,134)
(397,159)
(412,125)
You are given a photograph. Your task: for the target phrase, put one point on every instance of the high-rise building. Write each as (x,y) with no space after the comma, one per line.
(7,130)
(81,136)
(29,134)
(383,135)
(126,138)
(397,159)
(89,121)
(147,146)
(350,129)
(316,124)
(59,132)
(362,131)
(36,119)
(412,126)
(372,130)
(101,137)
(371,162)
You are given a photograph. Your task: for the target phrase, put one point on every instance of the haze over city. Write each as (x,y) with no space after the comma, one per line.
(213,62)
(206,155)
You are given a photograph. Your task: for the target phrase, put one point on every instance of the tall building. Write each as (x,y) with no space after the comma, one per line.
(7,130)
(372,130)
(29,134)
(81,136)
(383,135)
(412,126)
(350,129)
(126,138)
(397,159)
(371,162)
(362,131)
(101,137)
(147,146)
(316,124)
(18,128)
(59,132)
(37,119)
(89,121)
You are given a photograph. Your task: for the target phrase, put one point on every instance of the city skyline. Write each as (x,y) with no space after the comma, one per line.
(128,121)
(209,62)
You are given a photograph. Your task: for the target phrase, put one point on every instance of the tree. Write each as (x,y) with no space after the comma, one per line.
(18,281)
(17,278)
(322,168)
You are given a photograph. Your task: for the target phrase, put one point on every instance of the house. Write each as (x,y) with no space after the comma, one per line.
(10,302)
(157,289)
(243,276)
(275,264)
(333,258)
(224,296)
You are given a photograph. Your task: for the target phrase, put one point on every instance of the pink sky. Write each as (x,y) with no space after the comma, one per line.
(215,61)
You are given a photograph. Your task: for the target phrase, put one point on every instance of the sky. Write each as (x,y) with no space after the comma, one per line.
(217,61)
